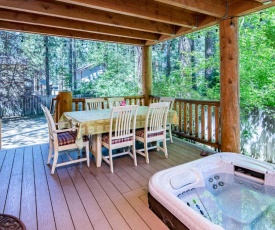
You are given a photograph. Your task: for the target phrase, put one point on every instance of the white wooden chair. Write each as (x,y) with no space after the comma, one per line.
(114,101)
(169,127)
(121,134)
(154,129)
(63,140)
(94,103)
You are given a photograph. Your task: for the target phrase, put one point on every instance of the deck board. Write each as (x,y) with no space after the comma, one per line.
(140,207)
(5,175)
(113,216)
(78,197)
(43,198)
(74,202)
(61,212)
(28,204)
(94,212)
(13,200)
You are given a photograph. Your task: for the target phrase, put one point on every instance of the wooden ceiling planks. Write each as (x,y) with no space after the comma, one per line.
(142,22)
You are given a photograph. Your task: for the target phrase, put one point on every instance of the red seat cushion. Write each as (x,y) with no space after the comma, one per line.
(140,133)
(68,138)
(105,138)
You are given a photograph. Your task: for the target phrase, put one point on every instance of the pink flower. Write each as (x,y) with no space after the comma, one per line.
(123,103)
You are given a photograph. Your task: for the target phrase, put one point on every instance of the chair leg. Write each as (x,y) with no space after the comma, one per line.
(55,158)
(170,133)
(111,160)
(146,152)
(165,148)
(134,154)
(50,152)
(88,153)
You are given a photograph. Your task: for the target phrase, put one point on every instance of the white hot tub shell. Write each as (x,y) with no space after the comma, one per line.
(221,191)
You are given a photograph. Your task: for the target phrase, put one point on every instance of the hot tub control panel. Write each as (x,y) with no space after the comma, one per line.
(191,198)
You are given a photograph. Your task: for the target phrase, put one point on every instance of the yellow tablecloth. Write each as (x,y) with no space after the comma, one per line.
(98,121)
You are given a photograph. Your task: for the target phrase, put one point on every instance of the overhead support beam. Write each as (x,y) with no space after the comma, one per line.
(41,20)
(67,33)
(80,13)
(215,8)
(145,9)
(203,22)
(229,86)
(247,7)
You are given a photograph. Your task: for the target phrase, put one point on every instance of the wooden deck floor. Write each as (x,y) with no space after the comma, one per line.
(78,197)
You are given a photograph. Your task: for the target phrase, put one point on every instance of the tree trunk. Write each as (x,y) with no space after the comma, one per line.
(209,52)
(71,64)
(74,65)
(47,66)
(193,64)
(186,46)
(168,59)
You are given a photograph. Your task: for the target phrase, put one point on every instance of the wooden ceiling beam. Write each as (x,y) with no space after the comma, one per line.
(67,33)
(146,9)
(215,8)
(80,13)
(203,22)
(35,19)
(245,7)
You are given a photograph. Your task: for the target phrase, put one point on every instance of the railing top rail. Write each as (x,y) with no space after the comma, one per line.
(126,97)
(191,101)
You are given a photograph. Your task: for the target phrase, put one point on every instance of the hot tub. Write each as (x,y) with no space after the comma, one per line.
(222,191)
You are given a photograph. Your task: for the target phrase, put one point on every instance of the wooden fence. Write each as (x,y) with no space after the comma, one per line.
(24,106)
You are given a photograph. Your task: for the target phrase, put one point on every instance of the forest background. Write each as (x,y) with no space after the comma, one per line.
(185,67)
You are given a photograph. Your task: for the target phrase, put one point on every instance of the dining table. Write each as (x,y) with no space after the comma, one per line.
(97,122)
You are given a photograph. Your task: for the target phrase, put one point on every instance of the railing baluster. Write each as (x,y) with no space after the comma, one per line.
(190,119)
(209,122)
(202,122)
(185,117)
(180,116)
(217,124)
(196,120)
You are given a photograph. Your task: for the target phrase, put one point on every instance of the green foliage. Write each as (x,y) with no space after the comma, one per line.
(122,73)
(257,66)
(188,63)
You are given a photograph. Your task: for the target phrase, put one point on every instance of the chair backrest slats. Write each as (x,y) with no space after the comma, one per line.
(123,121)
(114,101)
(156,117)
(94,103)
(50,121)
(168,99)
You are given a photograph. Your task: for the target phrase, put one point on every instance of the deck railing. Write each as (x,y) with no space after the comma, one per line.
(79,103)
(199,120)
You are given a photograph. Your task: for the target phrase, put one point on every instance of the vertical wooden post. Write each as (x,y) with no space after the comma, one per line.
(230,95)
(147,73)
(64,103)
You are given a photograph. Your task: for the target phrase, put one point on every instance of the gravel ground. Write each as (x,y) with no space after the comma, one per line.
(17,132)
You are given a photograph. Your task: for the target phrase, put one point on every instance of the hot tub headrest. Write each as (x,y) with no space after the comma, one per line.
(182,179)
